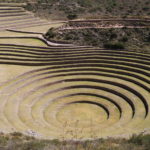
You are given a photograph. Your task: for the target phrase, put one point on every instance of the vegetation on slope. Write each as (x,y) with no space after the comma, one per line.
(61,9)
(132,39)
(13,1)
(17,141)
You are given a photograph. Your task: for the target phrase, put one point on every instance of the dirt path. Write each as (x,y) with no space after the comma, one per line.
(102,27)
(106,24)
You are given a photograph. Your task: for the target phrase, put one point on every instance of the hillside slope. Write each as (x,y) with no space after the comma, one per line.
(62,9)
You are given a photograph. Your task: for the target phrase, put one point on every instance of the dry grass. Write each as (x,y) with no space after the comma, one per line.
(17,141)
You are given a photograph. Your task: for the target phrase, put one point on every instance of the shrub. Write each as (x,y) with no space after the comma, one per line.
(146,141)
(136,139)
(141,140)
(148,38)
(29,7)
(113,36)
(3,140)
(145,8)
(50,33)
(72,16)
(15,134)
(116,45)
(124,39)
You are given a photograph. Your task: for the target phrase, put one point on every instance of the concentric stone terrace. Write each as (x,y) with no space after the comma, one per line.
(76,92)
(14,17)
